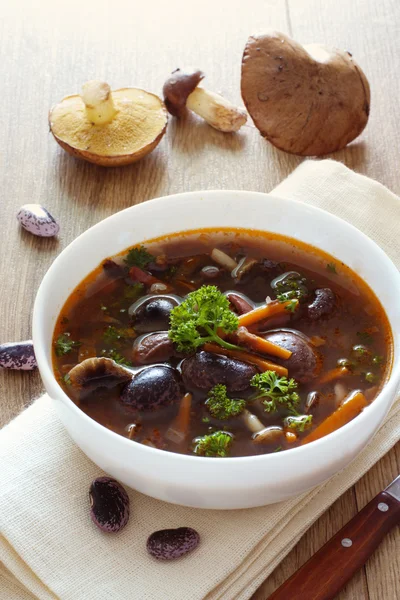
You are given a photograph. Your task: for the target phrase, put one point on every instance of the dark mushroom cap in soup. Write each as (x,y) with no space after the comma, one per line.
(305,362)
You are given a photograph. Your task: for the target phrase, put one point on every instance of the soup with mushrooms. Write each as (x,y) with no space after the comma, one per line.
(227,343)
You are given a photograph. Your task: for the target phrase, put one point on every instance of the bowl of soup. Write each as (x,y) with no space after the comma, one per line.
(220,349)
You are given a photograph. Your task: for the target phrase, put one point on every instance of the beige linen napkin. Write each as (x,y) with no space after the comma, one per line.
(49,548)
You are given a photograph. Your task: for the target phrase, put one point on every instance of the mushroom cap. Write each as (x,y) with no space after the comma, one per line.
(135,131)
(179,85)
(98,372)
(305,362)
(309,100)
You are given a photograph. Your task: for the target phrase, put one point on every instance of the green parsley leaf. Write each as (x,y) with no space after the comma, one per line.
(133,292)
(215,444)
(114,334)
(118,358)
(279,392)
(377,360)
(298,422)
(64,344)
(331,267)
(370,377)
(138,257)
(365,337)
(220,406)
(198,318)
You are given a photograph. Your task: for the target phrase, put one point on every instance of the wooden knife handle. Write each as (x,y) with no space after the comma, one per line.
(324,575)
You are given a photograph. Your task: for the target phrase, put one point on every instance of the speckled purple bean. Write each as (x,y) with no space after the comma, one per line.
(109,504)
(168,544)
(18,355)
(37,220)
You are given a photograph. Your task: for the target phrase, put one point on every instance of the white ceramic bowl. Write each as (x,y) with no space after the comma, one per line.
(212,482)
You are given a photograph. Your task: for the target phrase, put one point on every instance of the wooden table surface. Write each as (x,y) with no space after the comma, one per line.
(48,49)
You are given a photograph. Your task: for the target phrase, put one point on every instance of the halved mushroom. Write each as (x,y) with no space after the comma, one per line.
(261,434)
(107,128)
(152,348)
(151,313)
(305,362)
(241,303)
(309,100)
(97,372)
(181,91)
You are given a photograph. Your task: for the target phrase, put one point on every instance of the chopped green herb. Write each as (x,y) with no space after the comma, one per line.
(222,407)
(331,267)
(290,286)
(215,444)
(370,377)
(67,379)
(291,307)
(298,422)
(291,295)
(279,392)
(114,334)
(377,360)
(205,419)
(138,257)
(199,317)
(345,362)
(365,337)
(362,354)
(64,344)
(133,292)
(278,449)
(118,358)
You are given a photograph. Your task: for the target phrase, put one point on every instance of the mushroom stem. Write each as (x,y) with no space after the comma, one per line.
(252,422)
(218,112)
(98,101)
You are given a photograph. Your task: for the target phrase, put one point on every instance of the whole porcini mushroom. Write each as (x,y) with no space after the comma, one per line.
(182,91)
(308,100)
(108,128)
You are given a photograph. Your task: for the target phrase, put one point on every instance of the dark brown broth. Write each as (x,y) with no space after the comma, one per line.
(99,301)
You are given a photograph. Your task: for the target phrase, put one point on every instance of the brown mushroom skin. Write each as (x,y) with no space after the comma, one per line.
(204,370)
(305,362)
(153,314)
(179,85)
(153,348)
(98,372)
(322,305)
(306,100)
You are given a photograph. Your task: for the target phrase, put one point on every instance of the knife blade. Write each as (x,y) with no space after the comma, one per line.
(326,573)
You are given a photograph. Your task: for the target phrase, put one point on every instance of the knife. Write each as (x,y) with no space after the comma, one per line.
(325,574)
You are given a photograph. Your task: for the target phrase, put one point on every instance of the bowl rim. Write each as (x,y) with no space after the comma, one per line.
(391,386)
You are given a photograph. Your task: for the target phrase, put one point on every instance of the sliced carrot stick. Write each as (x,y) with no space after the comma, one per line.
(350,408)
(333,374)
(183,418)
(262,364)
(268,310)
(257,343)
